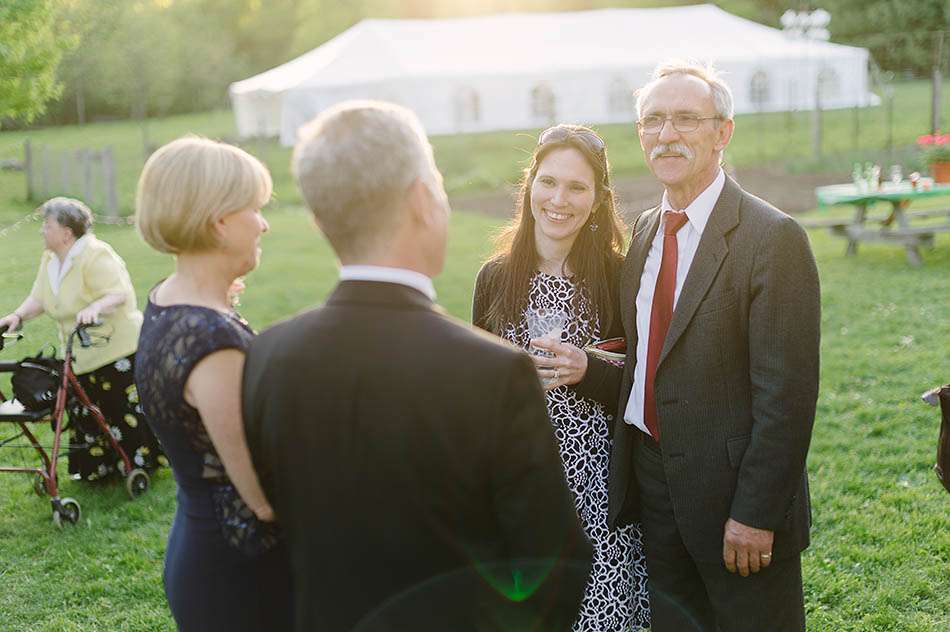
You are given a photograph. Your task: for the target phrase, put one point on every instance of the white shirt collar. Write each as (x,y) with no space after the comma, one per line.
(411,278)
(701,208)
(57,271)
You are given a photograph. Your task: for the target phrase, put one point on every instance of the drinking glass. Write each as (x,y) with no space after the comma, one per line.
(897,174)
(545,323)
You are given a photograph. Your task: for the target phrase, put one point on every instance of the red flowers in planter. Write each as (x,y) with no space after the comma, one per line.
(933,139)
(936,147)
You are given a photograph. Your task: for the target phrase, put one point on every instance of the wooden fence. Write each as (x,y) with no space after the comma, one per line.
(87,174)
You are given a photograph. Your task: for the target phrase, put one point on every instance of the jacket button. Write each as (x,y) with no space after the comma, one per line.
(610,417)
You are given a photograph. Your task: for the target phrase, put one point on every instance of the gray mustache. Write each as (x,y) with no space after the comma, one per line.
(671,148)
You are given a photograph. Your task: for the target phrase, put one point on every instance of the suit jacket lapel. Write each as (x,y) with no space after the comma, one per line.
(640,243)
(633,269)
(709,256)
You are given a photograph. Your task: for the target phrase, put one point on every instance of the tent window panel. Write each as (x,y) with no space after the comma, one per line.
(543,103)
(620,97)
(468,107)
(759,89)
(829,85)
(793,97)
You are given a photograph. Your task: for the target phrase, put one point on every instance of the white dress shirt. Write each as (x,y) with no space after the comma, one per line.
(57,271)
(410,278)
(687,241)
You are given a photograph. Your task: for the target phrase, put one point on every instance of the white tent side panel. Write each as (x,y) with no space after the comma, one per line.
(452,105)
(793,84)
(432,67)
(257,114)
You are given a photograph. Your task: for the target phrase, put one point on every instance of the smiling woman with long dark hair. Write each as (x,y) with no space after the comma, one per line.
(561,257)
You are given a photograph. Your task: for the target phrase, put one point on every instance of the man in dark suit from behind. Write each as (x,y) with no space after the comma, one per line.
(409,457)
(721,310)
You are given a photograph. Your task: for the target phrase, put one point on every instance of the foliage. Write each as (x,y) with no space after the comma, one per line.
(30,52)
(147,59)
(156,57)
(901,34)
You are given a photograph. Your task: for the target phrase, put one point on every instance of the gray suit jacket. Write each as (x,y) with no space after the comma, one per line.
(737,382)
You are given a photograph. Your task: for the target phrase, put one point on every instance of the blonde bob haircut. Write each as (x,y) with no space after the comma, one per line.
(189,184)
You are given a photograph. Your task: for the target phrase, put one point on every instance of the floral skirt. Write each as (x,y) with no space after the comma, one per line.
(112,389)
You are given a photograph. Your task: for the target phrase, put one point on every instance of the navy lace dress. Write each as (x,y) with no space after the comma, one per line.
(224,569)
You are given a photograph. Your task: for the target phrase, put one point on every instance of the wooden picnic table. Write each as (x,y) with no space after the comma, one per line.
(895,227)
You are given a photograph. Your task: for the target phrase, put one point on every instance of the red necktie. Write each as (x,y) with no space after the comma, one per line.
(661,314)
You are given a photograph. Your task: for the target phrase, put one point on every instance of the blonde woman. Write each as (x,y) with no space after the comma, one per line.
(225,565)
(81,279)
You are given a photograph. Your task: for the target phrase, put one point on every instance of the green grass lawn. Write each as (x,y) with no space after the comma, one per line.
(881,538)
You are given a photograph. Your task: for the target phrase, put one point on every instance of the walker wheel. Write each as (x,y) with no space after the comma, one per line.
(68,512)
(39,485)
(136,483)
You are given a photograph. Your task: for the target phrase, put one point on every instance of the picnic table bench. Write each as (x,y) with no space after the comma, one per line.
(893,227)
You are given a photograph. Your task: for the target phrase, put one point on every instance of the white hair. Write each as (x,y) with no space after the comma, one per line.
(721,92)
(354,164)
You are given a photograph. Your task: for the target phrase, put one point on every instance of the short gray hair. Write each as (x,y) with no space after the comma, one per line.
(354,164)
(721,92)
(69,213)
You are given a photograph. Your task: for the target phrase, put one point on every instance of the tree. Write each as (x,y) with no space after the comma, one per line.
(82,68)
(30,52)
(901,34)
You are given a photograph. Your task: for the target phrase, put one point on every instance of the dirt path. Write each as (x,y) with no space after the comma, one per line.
(793,193)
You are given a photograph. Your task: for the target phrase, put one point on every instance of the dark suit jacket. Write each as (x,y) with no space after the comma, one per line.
(737,382)
(414,470)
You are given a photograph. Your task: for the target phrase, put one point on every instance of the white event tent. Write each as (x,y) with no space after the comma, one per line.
(527,70)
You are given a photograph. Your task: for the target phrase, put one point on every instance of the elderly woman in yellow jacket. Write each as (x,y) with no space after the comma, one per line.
(82,280)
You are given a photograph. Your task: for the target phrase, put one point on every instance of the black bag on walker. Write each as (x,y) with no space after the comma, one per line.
(36,381)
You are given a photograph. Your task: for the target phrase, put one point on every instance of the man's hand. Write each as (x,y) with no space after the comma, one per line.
(568,366)
(746,548)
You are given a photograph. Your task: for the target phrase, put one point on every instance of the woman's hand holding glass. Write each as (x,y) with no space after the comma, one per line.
(562,364)
(545,323)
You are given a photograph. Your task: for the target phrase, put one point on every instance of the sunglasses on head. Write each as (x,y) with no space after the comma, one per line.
(560,133)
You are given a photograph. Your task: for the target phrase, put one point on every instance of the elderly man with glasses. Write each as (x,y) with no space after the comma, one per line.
(720,304)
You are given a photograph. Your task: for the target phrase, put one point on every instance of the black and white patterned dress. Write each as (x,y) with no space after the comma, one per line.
(616,595)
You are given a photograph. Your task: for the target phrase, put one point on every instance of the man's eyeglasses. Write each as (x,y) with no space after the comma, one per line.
(560,133)
(683,123)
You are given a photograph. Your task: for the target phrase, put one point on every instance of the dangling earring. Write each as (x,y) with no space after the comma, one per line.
(593,224)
